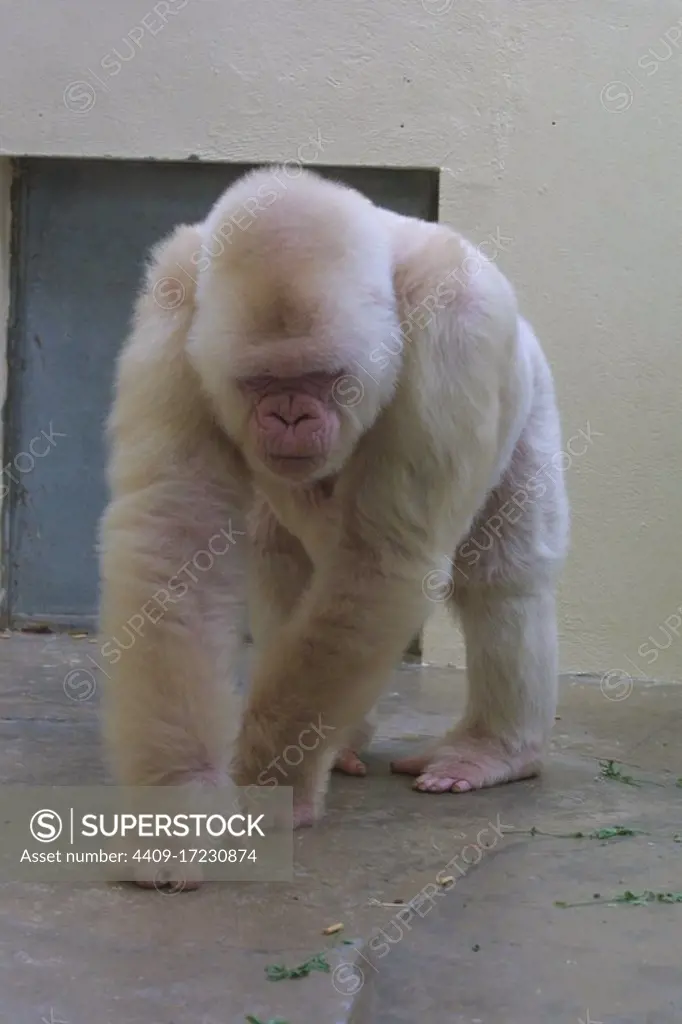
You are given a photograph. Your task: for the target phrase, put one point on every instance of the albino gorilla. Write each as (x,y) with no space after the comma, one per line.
(329,403)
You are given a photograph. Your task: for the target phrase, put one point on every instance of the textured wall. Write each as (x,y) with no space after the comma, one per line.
(557,125)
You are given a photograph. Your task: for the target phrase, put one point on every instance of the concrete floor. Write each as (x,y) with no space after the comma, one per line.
(493,949)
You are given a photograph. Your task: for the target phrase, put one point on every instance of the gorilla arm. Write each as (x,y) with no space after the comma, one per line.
(171,548)
(408,494)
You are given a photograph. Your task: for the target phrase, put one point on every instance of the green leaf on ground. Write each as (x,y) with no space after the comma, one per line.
(318,962)
(608,770)
(614,831)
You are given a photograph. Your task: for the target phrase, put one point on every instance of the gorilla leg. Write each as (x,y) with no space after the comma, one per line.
(279,573)
(505,578)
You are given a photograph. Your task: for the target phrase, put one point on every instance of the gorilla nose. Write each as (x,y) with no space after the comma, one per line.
(290,419)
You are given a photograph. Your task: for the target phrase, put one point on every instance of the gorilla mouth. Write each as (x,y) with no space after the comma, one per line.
(292,458)
(294,467)
(293,462)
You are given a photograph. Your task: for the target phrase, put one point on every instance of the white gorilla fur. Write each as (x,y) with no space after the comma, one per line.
(453,416)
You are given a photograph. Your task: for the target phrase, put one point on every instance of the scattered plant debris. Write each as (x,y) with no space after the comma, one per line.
(634,899)
(615,831)
(318,962)
(608,770)
(611,832)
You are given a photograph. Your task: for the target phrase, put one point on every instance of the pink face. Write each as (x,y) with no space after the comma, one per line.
(294,420)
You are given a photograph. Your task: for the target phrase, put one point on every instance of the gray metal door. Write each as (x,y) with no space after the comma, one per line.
(81,231)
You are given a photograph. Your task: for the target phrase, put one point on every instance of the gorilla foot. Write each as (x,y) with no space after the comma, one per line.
(469,763)
(348,763)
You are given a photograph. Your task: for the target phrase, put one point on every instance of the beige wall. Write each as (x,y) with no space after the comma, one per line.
(558,129)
